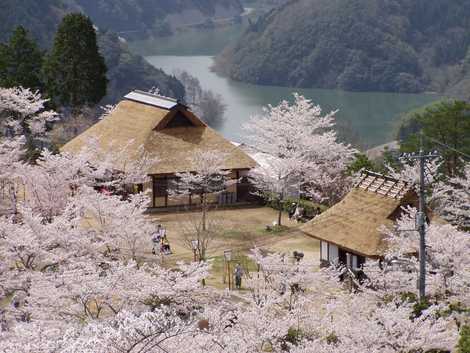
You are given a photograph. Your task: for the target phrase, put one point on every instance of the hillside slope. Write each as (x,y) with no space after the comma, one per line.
(364,45)
(39,17)
(142,15)
(126,71)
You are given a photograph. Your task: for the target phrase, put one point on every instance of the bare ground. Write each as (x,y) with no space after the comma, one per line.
(242,230)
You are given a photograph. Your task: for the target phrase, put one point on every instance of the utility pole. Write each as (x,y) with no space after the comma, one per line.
(421,216)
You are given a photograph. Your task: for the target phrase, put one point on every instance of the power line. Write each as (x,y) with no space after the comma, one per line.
(446,146)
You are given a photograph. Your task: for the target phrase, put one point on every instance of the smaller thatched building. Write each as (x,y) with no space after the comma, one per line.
(171,134)
(349,232)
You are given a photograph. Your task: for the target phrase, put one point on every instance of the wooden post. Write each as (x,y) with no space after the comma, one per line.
(229,276)
(237,176)
(224,272)
(228,259)
(153,191)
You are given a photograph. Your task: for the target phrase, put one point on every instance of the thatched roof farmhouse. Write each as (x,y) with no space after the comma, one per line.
(350,231)
(169,132)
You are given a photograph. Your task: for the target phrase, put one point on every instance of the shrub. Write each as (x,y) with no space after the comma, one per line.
(288,205)
(464,341)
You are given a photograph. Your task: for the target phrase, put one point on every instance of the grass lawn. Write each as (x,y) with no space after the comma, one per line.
(241,230)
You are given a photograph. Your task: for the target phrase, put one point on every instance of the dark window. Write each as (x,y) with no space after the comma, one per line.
(361,260)
(160,187)
(179,120)
(342,256)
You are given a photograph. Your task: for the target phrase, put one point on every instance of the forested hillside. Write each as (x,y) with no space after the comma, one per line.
(159,15)
(139,16)
(126,71)
(264,3)
(365,45)
(39,17)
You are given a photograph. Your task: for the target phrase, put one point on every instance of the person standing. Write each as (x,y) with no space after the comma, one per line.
(238,276)
(156,239)
(166,246)
(292,210)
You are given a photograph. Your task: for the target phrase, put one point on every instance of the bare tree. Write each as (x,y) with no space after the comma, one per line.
(207,104)
(198,239)
(71,127)
(191,85)
(212,108)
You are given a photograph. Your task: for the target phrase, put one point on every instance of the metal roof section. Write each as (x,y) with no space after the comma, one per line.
(152,99)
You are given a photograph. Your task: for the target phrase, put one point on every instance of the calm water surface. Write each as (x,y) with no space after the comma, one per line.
(371,116)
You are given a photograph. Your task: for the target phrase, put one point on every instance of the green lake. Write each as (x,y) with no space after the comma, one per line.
(371,116)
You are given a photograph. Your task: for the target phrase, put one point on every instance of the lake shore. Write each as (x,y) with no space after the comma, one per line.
(368,117)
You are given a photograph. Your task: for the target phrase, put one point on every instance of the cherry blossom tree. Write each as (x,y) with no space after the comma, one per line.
(207,178)
(23,112)
(448,266)
(161,330)
(54,178)
(302,150)
(452,198)
(356,324)
(449,196)
(23,118)
(11,152)
(61,273)
(409,171)
(102,304)
(124,224)
(73,278)
(69,257)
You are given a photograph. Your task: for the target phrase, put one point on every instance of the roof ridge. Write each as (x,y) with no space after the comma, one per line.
(151,99)
(155,95)
(380,184)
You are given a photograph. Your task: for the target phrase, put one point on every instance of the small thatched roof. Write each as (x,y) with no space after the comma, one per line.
(354,223)
(169,132)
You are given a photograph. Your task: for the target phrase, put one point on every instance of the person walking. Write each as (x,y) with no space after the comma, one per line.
(238,276)
(156,239)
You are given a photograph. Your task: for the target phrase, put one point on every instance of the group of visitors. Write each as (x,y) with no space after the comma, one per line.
(297,213)
(160,241)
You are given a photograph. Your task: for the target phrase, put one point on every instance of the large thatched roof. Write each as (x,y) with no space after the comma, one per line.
(167,130)
(355,222)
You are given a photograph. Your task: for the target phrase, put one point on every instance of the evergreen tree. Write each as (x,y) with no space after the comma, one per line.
(20,61)
(447,122)
(361,162)
(75,71)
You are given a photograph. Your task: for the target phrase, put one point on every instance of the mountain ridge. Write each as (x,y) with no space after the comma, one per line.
(357,45)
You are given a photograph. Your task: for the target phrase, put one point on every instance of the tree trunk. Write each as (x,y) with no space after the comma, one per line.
(279,216)
(204,211)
